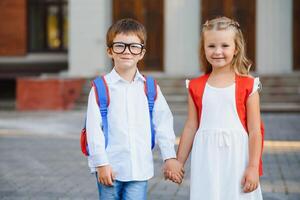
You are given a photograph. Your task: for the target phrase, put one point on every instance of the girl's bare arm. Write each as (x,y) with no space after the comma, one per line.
(188,134)
(251,177)
(253,123)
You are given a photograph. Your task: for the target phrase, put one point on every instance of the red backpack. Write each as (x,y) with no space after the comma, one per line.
(243,89)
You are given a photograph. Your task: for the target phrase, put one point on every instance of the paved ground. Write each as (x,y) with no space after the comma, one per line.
(40,159)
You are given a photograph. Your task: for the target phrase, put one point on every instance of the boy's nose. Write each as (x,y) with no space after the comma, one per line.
(127,50)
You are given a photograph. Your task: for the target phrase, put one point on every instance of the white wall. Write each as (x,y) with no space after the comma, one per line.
(274,36)
(182,29)
(89,21)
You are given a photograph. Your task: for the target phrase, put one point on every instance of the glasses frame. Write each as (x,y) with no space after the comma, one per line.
(127,45)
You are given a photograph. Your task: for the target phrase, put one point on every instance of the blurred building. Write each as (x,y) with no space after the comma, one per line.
(68,36)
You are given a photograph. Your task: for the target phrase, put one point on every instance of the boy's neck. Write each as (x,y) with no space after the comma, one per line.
(127,74)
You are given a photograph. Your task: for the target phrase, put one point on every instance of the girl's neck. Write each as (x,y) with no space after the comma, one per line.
(127,74)
(221,77)
(222,71)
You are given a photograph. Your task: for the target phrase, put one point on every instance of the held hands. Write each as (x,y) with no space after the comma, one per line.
(250,179)
(173,170)
(105,175)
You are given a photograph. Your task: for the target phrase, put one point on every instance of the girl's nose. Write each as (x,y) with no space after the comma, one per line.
(218,50)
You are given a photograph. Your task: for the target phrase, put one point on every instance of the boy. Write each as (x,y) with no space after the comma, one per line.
(124,167)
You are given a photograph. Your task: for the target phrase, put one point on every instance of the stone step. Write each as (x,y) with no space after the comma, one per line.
(7,104)
(265,107)
(279,93)
(181,107)
(263,98)
(179,87)
(281,90)
(266,91)
(280,107)
(280,98)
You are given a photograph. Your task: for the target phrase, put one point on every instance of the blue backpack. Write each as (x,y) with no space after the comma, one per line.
(102,97)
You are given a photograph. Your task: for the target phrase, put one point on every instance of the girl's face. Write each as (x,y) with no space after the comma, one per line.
(219,47)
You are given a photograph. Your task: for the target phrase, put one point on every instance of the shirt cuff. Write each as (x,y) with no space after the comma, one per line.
(99,160)
(167,153)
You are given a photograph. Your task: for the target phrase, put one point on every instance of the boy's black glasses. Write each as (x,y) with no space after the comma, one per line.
(120,47)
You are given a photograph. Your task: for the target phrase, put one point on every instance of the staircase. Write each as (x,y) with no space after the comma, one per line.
(279,93)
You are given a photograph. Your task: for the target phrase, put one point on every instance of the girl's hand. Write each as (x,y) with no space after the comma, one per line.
(250,179)
(173,170)
(105,175)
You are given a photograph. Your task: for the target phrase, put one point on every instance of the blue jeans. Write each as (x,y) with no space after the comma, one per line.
(131,190)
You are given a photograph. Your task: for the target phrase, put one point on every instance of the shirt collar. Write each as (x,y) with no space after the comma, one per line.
(139,76)
(114,77)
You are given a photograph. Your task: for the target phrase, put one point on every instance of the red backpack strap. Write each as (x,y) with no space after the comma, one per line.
(243,88)
(196,90)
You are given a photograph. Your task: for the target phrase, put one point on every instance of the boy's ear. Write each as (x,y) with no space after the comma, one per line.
(109,52)
(142,54)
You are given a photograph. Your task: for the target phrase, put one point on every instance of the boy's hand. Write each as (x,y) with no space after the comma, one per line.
(105,175)
(250,179)
(173,170)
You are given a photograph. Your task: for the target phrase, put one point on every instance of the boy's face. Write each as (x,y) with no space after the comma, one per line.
(128,58)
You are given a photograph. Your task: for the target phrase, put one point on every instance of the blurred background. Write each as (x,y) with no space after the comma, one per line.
(51,49)
(66,39)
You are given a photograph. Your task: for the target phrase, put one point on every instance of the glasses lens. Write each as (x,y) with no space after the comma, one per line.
(118,47)
(135,48)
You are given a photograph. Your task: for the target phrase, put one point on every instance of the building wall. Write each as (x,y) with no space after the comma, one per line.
(182,29)
(90,21)
(274,36)
(88,25)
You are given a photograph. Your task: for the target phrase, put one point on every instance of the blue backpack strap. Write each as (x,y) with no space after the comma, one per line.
(102,96)
(151,93)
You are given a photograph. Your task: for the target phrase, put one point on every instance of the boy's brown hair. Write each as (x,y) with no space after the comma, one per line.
(240,63)
(126,26)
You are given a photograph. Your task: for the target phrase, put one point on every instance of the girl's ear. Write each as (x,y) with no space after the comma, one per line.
(235,52)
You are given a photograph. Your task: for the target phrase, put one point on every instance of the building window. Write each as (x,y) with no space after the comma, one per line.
(48,25)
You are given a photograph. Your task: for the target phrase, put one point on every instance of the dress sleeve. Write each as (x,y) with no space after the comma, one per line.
(256,86)
(187,82)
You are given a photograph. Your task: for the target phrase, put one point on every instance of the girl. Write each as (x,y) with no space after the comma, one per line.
(223,124)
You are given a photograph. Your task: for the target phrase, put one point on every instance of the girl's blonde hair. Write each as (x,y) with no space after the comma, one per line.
(240,63)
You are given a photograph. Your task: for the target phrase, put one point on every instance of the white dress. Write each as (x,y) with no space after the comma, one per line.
(220,149)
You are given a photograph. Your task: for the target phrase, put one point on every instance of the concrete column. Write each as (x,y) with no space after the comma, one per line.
(274,36)
(89,21)
(182,28)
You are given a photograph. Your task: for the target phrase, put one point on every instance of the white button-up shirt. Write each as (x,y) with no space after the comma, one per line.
(129,134)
